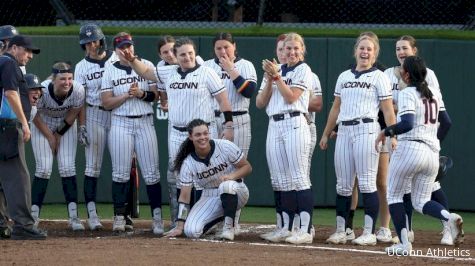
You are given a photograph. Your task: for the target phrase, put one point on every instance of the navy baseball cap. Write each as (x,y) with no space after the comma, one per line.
(25,42)
(120,41)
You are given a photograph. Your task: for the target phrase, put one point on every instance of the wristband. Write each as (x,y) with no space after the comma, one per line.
(228,116)
(63,127)
(148,96)
(183,210)
(390,131)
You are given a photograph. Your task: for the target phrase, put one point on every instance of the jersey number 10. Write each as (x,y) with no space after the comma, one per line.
(431,111)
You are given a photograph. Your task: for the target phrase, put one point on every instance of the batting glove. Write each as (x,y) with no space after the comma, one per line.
(82,136)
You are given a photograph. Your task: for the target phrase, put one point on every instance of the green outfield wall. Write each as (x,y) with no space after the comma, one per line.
(453,62)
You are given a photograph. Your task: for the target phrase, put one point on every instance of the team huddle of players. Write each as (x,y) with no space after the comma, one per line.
(393,162)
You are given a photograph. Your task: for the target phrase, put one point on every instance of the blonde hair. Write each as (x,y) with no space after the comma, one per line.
(412,42)
(292,36)
(373,40)
(60,67)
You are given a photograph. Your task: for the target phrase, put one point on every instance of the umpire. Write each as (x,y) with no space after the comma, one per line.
(14,131)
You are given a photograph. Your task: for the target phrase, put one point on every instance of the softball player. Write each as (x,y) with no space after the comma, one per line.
(285,93)
(407,46)
(218,166)
(165,46)
(415,162)
(129,96)
(190,89)
(239,77)
(94,130)
(359,94)
(54,133)
(279,50)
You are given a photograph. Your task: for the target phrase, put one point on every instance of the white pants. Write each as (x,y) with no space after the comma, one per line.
(209,206)
(415,165)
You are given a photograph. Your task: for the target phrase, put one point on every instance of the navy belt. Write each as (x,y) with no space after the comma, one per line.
(357,121)
(137,116)
(279,117)
(5,122)
(237,113)
(98,106)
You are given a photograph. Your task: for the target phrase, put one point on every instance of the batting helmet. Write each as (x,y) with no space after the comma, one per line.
(89,33)
(32,82)
(6,33)
(445,163)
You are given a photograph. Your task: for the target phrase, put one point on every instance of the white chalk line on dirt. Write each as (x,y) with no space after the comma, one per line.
(335,249)
(308,247)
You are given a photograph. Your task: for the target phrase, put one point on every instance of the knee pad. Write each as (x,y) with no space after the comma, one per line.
(227,187)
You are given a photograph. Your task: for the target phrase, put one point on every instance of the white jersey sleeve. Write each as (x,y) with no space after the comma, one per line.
(425,113)
(316,85)
(215,85)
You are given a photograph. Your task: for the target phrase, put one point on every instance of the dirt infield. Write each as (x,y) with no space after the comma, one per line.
(141,247)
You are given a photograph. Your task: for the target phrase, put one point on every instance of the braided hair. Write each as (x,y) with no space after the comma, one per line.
(187,146)
(417,70)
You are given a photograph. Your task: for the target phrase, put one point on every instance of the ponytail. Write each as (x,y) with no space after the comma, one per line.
(187,146)
(417,70)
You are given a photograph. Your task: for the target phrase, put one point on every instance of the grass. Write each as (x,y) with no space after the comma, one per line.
(258,31)
(262,215)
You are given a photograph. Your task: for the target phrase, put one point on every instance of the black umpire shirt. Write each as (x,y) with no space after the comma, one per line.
(11,78)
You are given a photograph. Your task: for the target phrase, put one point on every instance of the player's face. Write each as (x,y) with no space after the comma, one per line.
(293,52)
(92,47)
(365,54)
(279,50)
(185,55)
(166,53)
(200,137)
(34,95)
(403,50)
(63,83)
(22,55)
(223,47)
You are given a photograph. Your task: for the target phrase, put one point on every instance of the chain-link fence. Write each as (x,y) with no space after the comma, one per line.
(455,14)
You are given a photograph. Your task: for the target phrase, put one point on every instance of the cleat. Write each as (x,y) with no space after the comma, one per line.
(279,236)
(119,224)
(384,235)
(337,238)
(455,224)
(300,237)
(75,224)
(227,233)
(365,239)
(21,233)
(129,224)
(157,227)
(94,223)
(350,234)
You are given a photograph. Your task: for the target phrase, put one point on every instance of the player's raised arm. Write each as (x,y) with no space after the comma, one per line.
(138,66)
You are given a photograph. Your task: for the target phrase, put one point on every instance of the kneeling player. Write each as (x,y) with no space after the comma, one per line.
(218,166)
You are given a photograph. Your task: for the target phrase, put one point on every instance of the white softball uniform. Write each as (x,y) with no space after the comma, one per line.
(132,126)
(432,82)
(288,134)
(89,73)
(206,173)
(317,91)
(239,103)
(415,162)
(355,155)
(53,111)
(190,96)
